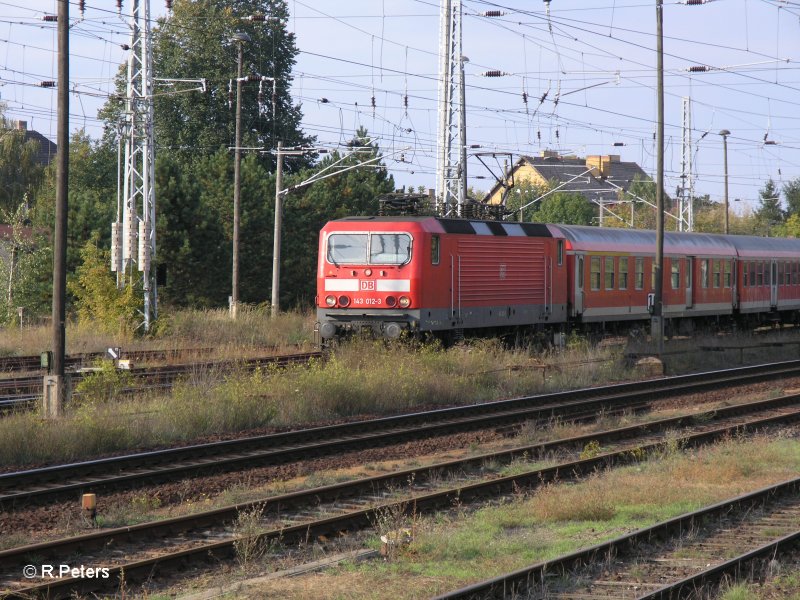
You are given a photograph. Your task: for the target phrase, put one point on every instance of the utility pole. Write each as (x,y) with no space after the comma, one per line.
(139,171)
(54,383)
(276,240)
(686,196)
(657,323)
(451,149)
(240,38)
(725,133)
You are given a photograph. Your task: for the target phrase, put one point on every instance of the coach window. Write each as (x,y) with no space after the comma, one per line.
(639,275)
(752,273)
(780,272)
(434,249)
(595,273)
(794,273)
(676,273)
(623,273)
(759,273)
(727,273)
(704,273)
(717,274)
(609,272)
(560,250)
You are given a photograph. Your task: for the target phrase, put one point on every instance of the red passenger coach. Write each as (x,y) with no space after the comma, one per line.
(392,274)
(612,277)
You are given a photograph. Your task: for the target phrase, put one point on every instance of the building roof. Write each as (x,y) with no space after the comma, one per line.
(47,149)
(587,182)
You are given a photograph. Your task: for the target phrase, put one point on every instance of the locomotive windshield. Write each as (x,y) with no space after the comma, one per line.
(374,249)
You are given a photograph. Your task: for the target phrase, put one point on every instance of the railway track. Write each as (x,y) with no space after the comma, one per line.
(729,539)
(44,484)
(10,364)
(22,392)
(208,537)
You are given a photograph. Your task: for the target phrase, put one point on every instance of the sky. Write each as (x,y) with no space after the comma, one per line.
(593,62)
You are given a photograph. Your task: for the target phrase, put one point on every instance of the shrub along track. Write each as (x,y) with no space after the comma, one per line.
(19,393)
(298,517)
(40,485)
(684,557)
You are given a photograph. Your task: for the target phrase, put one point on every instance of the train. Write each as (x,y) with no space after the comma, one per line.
(394,275)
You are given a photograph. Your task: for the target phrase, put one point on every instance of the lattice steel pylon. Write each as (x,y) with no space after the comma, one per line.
(451,162)
(686,190)
(134,243)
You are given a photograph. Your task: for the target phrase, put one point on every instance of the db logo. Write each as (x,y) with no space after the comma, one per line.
(367,285)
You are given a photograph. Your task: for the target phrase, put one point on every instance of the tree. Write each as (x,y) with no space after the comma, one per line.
(20,172)
(25,268)
(791,193)
(769,213)
(568,208)
(92,196)
(196,42)
(97,298)
(306,211)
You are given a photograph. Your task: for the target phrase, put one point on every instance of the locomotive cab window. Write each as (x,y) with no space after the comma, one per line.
(347,248)
(434,249)
(389,248)
(560,252)
(366,248)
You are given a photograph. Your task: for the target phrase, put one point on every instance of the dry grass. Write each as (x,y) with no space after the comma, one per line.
(452,551)
(253,328)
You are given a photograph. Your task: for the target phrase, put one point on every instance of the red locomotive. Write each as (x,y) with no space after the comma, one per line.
(445,276)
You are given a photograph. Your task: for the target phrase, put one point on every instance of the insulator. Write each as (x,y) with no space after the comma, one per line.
(539,135)
(47,84)
(323,100)
(257,18)
(766,135)
(119,5)
(544,96)
(493,13)
(694,2)
(144,247)
(698,69)
(493,74)
(557,136)
(82,7)
(125,47)
(50,18)
(116,246)
(770,143)
(274,101)
(619,143)
(373,102)
(405,101)
(525,98)
(230,94)
(252,78)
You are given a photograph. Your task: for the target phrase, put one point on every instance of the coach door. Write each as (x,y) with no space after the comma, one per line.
(773,285)
(579,274)
(689,281)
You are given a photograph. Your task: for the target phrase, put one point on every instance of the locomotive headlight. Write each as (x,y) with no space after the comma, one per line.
(391,301)
(344,301)
(405,301)
(330,300)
